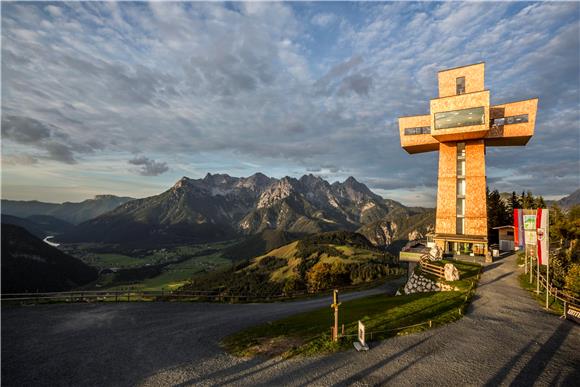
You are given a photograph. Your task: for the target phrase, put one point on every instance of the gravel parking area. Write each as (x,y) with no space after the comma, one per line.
(505,338)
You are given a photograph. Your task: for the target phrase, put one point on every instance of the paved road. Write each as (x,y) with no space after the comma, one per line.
(127,343)
(506,338)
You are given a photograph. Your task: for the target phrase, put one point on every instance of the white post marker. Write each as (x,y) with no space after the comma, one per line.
(361,345)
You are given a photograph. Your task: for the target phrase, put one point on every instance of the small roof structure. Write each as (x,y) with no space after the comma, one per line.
(502,227)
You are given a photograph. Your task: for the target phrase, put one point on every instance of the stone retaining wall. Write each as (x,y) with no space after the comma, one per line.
(418,284)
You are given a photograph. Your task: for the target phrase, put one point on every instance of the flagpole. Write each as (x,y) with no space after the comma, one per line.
(532,268)
(538,277)
(525,258)
(547,282)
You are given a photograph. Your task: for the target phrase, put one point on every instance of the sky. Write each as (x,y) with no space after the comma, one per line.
(126,98)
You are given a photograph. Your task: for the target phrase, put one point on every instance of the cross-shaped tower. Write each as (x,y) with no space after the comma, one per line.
(460,126)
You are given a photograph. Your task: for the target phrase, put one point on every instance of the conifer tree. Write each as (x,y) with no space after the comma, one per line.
(513,203)
(528,200)
(497,214)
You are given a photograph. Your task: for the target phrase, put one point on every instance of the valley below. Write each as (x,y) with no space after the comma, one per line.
(221,233)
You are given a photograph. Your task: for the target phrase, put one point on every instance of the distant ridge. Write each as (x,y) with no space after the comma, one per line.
(70,212)
(571,200)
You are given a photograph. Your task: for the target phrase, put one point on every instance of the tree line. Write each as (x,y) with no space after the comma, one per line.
(501,213)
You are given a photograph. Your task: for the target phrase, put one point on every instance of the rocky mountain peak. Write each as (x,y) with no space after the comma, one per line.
(277,191)
(311,181)
(181,182)
(218,179)
(256,182)
(353,183)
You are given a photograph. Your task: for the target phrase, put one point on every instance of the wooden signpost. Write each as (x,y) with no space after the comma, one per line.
(335,305)
(572,313)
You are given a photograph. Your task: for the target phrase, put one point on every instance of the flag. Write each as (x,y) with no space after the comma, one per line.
(543,235)
(518,227)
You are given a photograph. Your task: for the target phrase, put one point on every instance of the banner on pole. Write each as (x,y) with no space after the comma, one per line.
(529,227)
(530,237)
(518,228)
(530,222)
(543,236)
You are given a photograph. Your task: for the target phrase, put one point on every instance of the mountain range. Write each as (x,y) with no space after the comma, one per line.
(570,201)
(220,206)
(74,213)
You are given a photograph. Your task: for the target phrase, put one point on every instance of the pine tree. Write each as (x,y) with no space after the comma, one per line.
(539,202)
(513,203)
(497,213)
(528,200)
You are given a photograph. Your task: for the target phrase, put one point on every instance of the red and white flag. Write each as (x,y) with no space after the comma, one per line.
(543,235)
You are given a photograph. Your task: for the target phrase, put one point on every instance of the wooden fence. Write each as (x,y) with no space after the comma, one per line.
(430,268)
(129,295)
(558,294)
(134,295)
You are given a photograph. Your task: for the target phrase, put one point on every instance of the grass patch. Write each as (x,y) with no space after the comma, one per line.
(175,275)
(309,333)
(116,260)
(556,306)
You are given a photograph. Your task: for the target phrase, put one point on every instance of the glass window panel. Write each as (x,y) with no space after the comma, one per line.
(460,149)
(458,118)
(459,229)
(460,206)
(460,167)
(522,118)
(460,85)
(419,130)
(460,187)
(499,122)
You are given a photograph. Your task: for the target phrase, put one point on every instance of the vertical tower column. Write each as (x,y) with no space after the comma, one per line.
(461,195)
(475,195)
(446,196)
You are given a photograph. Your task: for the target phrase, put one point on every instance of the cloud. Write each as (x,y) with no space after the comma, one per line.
(357,83)
(24,130)
(19,159)
(31,132)
(221,85)
(323,19)
(149,167)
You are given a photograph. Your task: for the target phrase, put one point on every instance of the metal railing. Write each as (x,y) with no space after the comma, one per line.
(558,294)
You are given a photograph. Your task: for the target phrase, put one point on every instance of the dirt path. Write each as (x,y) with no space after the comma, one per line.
(506,338)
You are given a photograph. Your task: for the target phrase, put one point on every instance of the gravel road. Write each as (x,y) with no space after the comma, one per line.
(505,338)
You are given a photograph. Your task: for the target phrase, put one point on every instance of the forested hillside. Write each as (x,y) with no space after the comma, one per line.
(312,264)
(30,265)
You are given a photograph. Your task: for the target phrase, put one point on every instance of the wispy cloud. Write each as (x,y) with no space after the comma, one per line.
(149,167)
(290,87)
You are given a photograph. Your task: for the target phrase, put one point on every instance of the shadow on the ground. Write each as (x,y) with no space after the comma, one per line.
(492,265)
(496,279)
(374,367)
(529,374)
